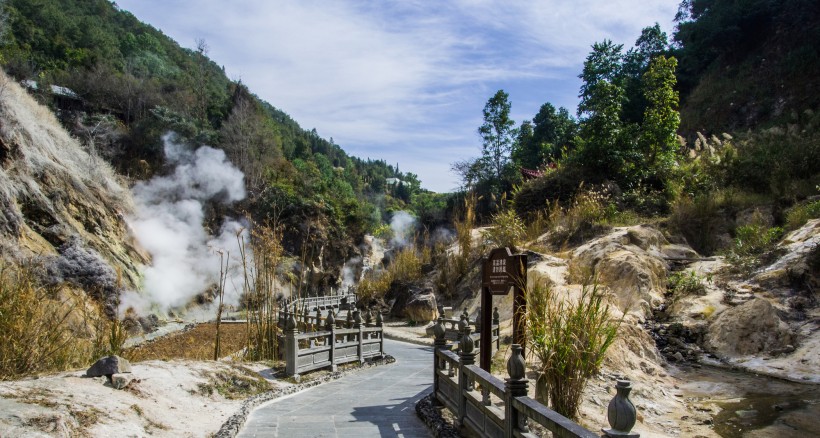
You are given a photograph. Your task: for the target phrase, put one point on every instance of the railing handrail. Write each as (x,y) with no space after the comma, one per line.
(454,381)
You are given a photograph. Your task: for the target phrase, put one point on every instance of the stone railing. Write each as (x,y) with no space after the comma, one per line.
(338,302)
(488,407)
(331,343)
(454,327)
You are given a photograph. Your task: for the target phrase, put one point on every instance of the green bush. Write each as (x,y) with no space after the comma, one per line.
(681,283)
(800,214)
(507,230)
(755,239)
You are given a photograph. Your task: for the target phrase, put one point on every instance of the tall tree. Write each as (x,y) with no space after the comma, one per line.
(497,135)
(605,144)
(661,118)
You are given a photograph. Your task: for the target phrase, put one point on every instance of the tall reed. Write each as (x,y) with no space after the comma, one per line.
(569,339)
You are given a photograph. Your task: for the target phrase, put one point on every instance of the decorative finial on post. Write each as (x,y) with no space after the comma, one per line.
(368,318)
(496,316)
(621,413)
(467,342)
(290,324)
(462,323)
(357,319)
(516,366)
(330,321)
(379,319)
(439,332)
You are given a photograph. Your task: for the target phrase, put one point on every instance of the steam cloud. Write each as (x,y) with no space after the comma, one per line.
(403,225)
(168,224)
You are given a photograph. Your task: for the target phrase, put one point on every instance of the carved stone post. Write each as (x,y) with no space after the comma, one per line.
(357,324)
(380,325)
(478,321)
(439,343)
(368,318)
(291,347)
(465,357)
(463,323)
(621,413)
(318,325)
(516,386)
(330,324)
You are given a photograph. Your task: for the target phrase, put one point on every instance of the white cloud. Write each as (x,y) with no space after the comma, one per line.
(389,76)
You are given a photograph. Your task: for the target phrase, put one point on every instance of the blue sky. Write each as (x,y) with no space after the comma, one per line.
(404,80)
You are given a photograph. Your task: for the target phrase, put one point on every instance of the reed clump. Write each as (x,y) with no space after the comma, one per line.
(568,338)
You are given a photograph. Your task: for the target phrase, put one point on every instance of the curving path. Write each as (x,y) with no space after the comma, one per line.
(379,402)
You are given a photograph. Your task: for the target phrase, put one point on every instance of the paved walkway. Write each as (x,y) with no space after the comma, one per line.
(379,402)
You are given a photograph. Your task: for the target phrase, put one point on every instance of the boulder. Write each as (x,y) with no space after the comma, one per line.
(120,381)
(412,301)
(751,328)
(422,308)
(108,366)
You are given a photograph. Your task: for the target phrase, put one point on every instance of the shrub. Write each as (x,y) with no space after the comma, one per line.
(681,283)
(507,229)
(405,267)
(48,328)
(755,239)
(800,214)
(569,339)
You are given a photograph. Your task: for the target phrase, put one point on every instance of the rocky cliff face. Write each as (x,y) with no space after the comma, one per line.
(59,205)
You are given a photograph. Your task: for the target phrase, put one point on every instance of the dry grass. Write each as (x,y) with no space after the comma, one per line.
(48,328)
(194,344)
(406,266)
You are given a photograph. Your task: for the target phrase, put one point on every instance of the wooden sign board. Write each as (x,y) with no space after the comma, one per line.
(501,271)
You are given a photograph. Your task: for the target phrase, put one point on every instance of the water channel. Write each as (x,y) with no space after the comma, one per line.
(753,405)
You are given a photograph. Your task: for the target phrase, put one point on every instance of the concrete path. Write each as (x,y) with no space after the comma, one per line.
(379,402)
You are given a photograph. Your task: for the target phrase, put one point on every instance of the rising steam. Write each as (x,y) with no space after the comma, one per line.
(403,225)
(168,223)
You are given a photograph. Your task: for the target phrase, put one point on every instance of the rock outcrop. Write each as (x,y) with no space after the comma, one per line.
(631,261)
(751,328)
(59,201)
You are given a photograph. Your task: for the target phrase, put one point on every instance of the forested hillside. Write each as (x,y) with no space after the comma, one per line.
(133,84)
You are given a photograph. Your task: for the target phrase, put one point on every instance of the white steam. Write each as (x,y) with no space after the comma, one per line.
(168,224)
(403,225)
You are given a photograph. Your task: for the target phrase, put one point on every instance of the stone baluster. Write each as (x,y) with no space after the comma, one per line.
(368,318)
(621,413)
(349,319)
(330,324)
(439,343)
(515,386)
(379,319)
(357,324)
(291,346)
(317,326)
(478,320)
(465,357)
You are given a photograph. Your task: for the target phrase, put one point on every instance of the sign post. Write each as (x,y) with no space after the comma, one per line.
(502,271)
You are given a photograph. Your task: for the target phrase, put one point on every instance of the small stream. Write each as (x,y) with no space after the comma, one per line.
(752,405)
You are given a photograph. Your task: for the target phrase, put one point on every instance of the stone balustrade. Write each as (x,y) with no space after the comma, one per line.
(486,406)
(329,342)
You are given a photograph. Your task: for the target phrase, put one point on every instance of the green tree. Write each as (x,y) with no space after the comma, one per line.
(661,118)
(497,134)
(605,144)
